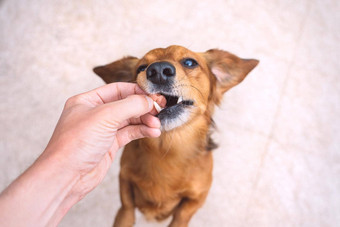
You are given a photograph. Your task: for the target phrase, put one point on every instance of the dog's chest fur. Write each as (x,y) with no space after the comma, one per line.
(160,181)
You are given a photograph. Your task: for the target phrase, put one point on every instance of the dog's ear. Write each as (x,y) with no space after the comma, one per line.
(228,69)
(118,71)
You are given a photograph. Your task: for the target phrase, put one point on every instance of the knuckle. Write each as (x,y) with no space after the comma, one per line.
(135,133)
(131,134)
(72,101)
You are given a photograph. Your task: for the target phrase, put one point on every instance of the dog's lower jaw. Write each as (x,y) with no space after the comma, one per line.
(181,118)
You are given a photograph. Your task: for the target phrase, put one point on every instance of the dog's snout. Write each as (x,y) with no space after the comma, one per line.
(161,72)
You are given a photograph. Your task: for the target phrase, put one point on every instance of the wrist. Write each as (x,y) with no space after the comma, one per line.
(40,196)
(62,180)
(58,182)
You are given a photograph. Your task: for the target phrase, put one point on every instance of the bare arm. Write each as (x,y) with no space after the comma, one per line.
(92,127)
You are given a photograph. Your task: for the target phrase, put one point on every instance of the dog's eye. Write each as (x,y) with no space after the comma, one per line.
(189,63)
(141,68)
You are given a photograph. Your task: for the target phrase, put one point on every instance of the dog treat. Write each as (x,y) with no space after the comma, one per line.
(159,101)
(158,108)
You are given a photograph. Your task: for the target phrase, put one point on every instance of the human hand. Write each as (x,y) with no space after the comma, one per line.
(94,125)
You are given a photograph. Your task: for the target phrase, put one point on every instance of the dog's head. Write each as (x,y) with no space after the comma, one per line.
(191,82)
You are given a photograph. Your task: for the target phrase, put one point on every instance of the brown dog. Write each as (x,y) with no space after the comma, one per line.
(172,174)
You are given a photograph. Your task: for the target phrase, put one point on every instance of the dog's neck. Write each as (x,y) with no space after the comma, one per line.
(182,141)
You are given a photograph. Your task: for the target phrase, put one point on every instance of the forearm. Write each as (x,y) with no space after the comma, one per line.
(41,196)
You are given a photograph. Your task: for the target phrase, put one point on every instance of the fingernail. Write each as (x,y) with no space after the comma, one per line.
(150,101)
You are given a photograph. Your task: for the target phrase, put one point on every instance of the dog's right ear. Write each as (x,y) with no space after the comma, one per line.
(228,69)
(122,70)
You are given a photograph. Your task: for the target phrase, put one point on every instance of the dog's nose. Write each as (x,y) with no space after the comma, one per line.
(160,72)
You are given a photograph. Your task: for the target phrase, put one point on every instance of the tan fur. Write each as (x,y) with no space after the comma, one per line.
(172,174)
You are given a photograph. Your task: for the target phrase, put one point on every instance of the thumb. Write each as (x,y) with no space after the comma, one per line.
(132,106)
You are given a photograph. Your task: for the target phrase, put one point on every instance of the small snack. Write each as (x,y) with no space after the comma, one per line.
(159,101)
(158,108)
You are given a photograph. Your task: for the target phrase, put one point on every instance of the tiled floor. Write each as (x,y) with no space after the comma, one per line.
(279,158)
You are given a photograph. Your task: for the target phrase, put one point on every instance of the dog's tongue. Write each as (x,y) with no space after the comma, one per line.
(159,101)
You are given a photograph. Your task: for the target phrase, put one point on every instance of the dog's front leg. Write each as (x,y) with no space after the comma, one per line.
(126,214)
(186,210)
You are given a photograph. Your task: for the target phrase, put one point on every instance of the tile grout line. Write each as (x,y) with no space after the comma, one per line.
(277,112)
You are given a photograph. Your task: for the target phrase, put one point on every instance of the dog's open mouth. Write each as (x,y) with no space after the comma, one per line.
(175,112)
(172,101)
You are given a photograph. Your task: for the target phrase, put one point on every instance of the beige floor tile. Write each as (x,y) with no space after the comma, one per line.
(308,112)
(295,188)
(319,46)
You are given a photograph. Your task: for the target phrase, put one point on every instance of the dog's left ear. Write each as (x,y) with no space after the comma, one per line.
(228,69)
(118,71)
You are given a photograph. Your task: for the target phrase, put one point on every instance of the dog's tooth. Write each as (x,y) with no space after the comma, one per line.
(158,108)
(180,99)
